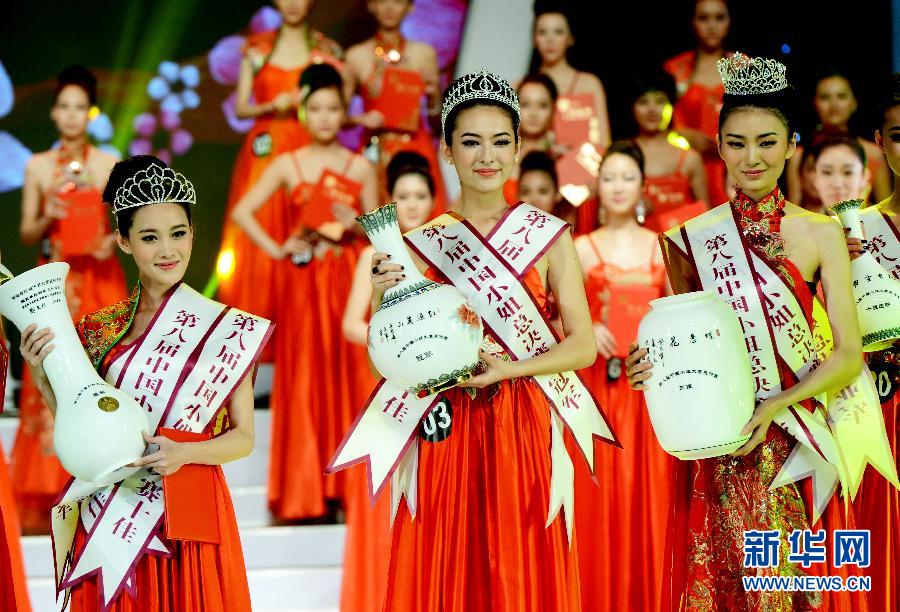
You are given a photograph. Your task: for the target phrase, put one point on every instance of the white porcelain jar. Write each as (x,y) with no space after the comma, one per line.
(425,336)
(876,292)
(97,429)
(701,391)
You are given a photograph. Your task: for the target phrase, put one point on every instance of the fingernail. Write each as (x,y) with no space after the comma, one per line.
(388,255)
(403,276)
(402,267)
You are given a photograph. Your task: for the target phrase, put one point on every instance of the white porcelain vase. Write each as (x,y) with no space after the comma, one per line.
(701,391)
(425,336)
(876,293)
(97,429)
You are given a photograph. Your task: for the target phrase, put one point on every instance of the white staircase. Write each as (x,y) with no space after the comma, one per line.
(289,568)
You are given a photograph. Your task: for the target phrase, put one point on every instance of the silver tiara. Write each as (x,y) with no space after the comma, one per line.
(742,75)
(482,85)
(155,185)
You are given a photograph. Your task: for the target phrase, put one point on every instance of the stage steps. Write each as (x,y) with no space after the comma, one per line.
(289,568)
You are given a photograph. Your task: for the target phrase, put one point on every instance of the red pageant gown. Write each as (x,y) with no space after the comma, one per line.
(251,285)
(877,505)
(667,191)
(313,395)
(716,500)
(37,475)
(621,524)
(198,575)
(390,142)
(698,108)
(367,549)
(13,589)
(479,541)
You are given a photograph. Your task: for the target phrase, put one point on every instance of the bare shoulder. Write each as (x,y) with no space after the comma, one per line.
(822,228)
(361,168)
(360,52)
(421,50)
(590,81)
(39,161)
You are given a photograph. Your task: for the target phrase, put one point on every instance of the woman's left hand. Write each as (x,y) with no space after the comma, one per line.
(494,370)
(759,425)
(168,459)
(346,215)
(105,248)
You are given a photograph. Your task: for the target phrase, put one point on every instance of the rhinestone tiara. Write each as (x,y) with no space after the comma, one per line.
(742,75)
(155,185)
(481,85)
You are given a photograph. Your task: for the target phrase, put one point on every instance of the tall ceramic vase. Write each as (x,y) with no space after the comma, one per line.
(876,293)
(701,391)
(97,429)
(425,336)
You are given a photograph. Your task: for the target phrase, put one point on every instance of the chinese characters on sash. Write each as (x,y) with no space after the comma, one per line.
(182,371)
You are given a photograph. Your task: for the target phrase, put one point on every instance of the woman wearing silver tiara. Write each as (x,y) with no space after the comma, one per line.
(764,256)
(481,539)
(166,534)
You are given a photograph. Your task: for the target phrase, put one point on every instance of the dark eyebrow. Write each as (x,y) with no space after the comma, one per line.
(154,231)
(767,134)
(735,136)
(470,134)
(501,134)
(894,128)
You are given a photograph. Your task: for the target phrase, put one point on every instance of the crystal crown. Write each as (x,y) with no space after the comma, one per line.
(481,85)
(742,75)
(155,185)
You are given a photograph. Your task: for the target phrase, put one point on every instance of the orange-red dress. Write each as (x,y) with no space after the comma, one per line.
(877,505)
(667,191)
(698,108)
(36,473)
(621,524)
(367,551)
(197,575)
(251,285)
(479,541)
(313,397)
(13,589)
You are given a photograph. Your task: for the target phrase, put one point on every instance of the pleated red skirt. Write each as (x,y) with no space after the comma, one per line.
(479,540)
(13,588)
(367,551)
(313,395)
(621,523)
(197,577)
(877,508)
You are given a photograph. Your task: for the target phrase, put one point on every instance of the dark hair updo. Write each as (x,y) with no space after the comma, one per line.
(409,162)
(76,75)
(652,80)
(627,148)
(120,173)
(889,98)
(824,142)
(539,78)
(539,161)
(782,104)
(321,76)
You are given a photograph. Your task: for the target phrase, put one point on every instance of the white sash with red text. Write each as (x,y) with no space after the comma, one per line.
(774,328)
(182,371)
(488,271)
(884,239)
